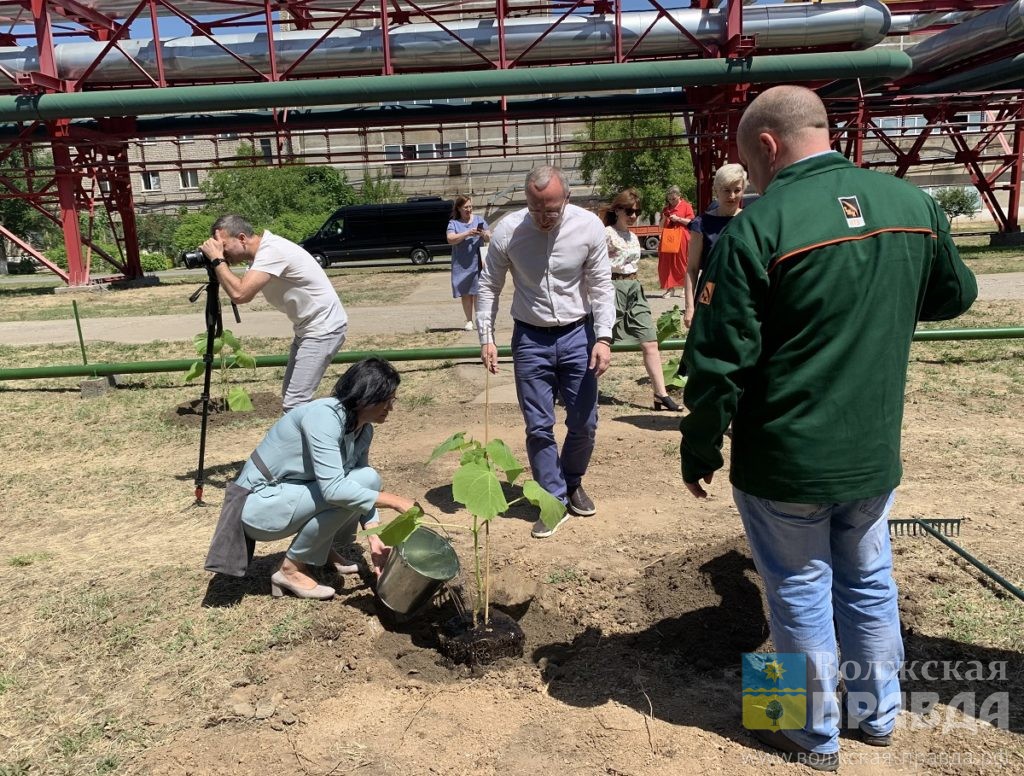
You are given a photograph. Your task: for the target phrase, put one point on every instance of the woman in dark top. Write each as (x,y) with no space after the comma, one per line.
(728,187)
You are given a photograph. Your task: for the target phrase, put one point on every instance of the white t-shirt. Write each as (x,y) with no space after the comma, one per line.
(298,287)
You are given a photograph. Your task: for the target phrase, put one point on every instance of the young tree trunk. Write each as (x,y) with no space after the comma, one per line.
(3,257)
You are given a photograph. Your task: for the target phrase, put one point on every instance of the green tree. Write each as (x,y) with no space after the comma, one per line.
(16,214)
(260,193)
(380,190)
(192,231)
(156,232)
(956,201)
(642,153)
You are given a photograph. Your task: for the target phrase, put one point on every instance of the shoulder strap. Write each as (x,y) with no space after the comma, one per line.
(262,467)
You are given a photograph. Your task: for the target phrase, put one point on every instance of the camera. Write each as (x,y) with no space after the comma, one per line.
(194,259)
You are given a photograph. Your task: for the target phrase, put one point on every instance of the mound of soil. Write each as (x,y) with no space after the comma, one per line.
(190,414)
(461,642)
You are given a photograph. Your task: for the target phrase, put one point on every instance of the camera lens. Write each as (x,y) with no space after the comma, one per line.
(193,259)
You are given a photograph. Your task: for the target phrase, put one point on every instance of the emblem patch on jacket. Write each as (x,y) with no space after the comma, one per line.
(707,293)
(851,209)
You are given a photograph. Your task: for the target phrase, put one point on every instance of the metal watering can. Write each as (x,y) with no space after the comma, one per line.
(415,570)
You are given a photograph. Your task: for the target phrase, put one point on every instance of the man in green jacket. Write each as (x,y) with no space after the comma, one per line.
(801,339)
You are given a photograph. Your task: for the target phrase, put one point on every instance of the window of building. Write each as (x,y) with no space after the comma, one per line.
(151,181)
(189,179)
(267,149)
(187,139)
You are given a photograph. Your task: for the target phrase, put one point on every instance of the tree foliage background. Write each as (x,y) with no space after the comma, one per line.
(956,201)
(643,157)
(15,214)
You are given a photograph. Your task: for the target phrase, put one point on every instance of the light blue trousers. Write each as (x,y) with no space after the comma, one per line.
(827,571)
(277,511)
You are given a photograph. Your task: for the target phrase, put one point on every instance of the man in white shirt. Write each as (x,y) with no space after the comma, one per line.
(295,284)
(563,305)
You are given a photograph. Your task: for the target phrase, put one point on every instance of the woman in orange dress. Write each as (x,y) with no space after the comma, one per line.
(675,241)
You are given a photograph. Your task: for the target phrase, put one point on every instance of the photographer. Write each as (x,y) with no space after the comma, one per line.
(295,284)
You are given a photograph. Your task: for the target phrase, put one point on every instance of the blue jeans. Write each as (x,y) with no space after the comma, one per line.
(547,364)
(827,570)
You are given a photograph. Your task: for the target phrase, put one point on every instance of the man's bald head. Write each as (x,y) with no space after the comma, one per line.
(782,126)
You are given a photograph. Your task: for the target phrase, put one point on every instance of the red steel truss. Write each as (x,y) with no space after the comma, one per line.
(91,174)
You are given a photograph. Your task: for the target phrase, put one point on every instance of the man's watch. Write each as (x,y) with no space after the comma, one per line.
(215,262)
(605,340)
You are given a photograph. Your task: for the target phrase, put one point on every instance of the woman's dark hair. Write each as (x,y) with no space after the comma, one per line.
(460,200)
(625,198)
(370,381)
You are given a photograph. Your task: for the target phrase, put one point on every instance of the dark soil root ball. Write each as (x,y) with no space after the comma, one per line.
(460,642)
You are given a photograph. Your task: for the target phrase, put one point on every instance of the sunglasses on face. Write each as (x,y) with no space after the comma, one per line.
(630,211)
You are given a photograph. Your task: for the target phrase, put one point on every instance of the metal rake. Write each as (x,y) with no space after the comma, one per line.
(940,528)
(914,526)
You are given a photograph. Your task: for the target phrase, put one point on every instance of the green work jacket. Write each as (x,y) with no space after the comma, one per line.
(802,332)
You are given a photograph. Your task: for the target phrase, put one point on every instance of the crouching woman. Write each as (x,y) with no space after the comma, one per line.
(310,479)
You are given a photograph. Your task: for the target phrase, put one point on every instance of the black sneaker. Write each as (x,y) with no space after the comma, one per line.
(580,503)
(793,752)
(873,740)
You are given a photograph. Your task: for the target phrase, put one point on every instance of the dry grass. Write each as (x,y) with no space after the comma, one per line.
(356,286)
(108,648)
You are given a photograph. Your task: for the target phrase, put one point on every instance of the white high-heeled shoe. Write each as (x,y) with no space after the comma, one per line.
(279,583)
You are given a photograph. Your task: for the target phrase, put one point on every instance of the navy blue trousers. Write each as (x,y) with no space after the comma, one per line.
(549,364)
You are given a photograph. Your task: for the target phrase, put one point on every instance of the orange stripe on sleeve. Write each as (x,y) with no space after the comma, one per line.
(876,232)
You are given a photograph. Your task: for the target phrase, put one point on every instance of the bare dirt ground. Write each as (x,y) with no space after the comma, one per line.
(120,655)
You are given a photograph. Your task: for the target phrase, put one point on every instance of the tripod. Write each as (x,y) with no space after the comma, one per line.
(214,329)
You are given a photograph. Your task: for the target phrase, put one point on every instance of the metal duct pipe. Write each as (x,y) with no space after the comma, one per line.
(907,23)
(784,68)
(414,47)
(980,33)
(993,77)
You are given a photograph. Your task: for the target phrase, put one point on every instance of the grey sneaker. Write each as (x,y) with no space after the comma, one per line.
(541,531)
(580,503)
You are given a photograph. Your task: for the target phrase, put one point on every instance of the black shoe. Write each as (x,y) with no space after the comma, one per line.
(793,752)
(580,503)
(872,740)
(665,403)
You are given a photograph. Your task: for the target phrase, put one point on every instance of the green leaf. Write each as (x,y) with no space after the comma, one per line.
(244,360)
(399,529)
(238,400)
(506,461)
(670,324)
(477,487)
(194,371)
(199,342)
(473,453)
(227,361)
(231,340)
(670,370)
(551,509)
(456,441)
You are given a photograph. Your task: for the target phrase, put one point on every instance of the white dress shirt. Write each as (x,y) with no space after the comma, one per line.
(558,276)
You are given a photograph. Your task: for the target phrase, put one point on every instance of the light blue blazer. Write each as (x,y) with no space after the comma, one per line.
(311,457)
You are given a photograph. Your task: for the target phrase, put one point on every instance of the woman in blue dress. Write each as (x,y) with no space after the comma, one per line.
(466,234)
(728,187)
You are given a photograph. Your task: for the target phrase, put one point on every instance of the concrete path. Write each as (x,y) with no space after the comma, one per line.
(430,306)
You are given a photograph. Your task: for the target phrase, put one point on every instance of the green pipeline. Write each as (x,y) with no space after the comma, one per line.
(564,79)
(416,354)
